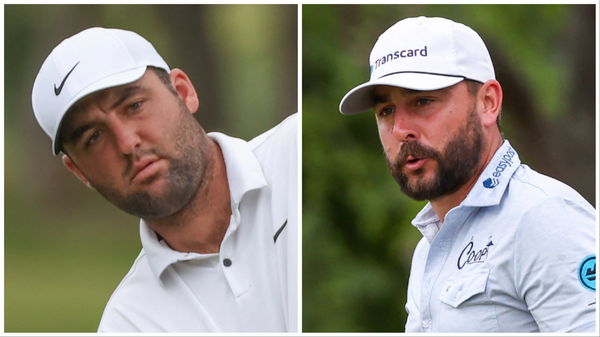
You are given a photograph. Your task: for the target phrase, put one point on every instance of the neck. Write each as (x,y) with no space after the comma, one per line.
(445,203)
(201,225)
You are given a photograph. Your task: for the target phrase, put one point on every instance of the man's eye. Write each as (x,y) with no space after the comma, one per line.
(93,138)
(385,111)
(135,106)
(423,101)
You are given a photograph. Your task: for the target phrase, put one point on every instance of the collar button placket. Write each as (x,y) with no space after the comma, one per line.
(232,269)
(436,258)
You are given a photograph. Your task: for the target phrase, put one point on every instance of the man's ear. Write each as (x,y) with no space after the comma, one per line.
(71,166)
(490,95)
(185,89)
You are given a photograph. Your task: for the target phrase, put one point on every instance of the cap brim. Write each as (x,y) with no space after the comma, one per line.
(360,98)
(108,82)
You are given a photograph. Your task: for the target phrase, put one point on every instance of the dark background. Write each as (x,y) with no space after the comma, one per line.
(66,248)
(357,236)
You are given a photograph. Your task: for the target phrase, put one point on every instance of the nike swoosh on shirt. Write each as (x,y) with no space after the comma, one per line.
(279,231)
(60,87)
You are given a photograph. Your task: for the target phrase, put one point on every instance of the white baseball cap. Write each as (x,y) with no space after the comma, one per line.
(94,59)
(422,54)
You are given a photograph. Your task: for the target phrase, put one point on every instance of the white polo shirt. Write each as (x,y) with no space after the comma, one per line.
(251,284)
(517,255)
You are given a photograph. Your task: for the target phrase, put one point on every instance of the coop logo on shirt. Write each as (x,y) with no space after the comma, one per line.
(505,162)
(471,254)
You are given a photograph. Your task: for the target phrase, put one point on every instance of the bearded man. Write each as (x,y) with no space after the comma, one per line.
(505,249)
(218,214)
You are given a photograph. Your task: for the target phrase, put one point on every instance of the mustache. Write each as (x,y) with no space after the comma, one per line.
(415,150)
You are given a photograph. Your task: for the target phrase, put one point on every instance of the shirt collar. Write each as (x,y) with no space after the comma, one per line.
(244,174)
(493,181)
(427,222)
(487,191)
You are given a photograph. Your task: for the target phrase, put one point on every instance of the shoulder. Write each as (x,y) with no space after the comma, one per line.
(277,150)
(548,202)
(537,198)
(554,223)
(554,233)
(552,217)
(536,188)
(144,303)
(128,298)
(281,136)
(139,271)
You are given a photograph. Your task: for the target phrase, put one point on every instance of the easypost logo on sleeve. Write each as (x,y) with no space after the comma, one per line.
(505,162)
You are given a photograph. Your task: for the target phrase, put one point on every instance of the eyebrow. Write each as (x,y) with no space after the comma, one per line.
(383,98)
(380,98)
(123,95)
(78,132)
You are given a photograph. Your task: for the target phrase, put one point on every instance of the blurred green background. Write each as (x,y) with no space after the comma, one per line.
(357,236)
(66,248)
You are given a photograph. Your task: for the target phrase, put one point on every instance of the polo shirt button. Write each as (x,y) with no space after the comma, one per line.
(227,262)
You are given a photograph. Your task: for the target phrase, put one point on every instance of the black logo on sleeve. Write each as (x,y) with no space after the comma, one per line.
(60,87)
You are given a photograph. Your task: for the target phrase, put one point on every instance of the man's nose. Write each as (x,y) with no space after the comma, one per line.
(403,129)
(127,137)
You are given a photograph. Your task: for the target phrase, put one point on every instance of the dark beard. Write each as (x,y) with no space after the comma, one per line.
(187,172)
(456,165)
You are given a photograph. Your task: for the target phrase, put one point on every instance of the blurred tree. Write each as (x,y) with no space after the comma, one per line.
(66,248)
(357,237)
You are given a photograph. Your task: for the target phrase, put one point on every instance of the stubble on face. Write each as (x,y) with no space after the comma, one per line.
(187,172)
(456,163)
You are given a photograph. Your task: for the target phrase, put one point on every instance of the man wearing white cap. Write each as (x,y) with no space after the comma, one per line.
(505,249)
(218,214)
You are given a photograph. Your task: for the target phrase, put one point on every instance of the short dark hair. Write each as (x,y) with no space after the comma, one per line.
(473,88)
(163,75)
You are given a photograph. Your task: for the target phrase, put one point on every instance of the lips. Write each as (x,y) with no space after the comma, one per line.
(414,163)
(144,168)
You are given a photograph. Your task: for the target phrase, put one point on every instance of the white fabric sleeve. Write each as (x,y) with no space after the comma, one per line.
(553,239)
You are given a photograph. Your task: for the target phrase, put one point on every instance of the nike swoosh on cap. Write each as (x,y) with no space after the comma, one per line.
(60,87)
